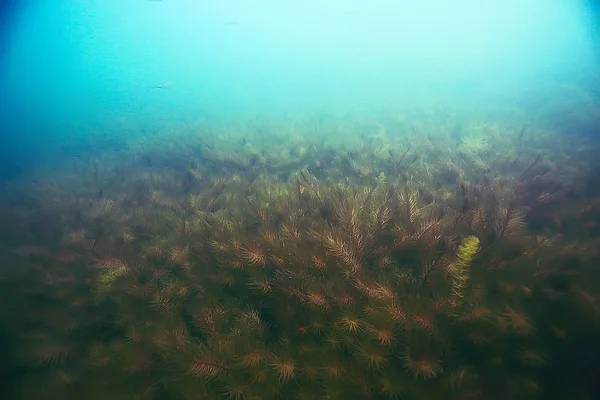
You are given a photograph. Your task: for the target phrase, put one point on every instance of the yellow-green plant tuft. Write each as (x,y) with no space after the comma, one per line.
(459,270)
(107,279)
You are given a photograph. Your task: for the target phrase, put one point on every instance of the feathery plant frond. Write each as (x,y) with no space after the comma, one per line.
(408,201)
(508,220)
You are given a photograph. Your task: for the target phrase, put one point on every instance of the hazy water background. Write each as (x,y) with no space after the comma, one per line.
(68,67)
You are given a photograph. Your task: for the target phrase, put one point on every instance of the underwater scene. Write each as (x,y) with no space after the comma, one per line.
(328,199)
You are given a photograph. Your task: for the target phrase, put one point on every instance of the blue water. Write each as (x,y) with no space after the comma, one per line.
(69,65)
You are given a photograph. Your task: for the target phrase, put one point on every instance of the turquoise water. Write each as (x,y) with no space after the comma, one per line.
(79,64)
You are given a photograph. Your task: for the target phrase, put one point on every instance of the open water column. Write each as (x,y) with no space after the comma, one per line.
(299,199)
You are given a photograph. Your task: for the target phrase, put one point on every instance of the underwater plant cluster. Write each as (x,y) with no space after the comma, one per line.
(264,263)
